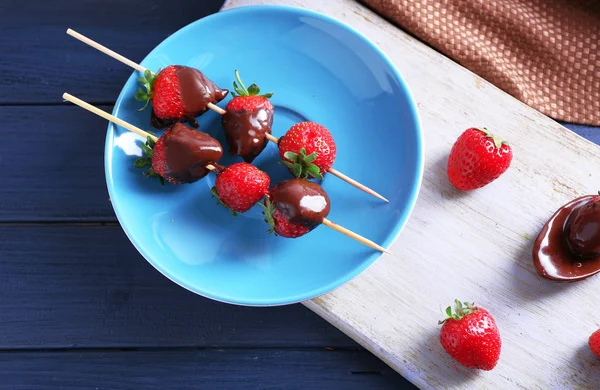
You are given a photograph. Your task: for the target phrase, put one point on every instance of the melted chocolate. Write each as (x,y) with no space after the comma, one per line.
(553,255)
(245,130)
(301,201)
(197,91)
(187,152)
(583,230)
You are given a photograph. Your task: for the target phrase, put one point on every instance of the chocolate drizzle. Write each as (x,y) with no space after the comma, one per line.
(186,154)
(565,249)
(245,130)
(301,201)
(197,91)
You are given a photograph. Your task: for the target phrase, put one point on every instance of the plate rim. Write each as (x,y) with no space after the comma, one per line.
(313,293)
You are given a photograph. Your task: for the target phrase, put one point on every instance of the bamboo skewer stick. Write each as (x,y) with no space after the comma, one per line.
(340,175)
(213,107)
(211,167)
(123,60)
(114,119)
(355,236)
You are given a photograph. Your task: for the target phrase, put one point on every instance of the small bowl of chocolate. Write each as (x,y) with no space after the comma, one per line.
(568,246)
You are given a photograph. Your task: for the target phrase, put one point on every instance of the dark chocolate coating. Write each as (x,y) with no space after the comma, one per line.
(583,230)
(187,152)
(552,254)
(197,91)
(301,201)
(245,131)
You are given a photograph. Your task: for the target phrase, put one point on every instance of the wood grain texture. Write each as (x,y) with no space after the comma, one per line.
(472,246)
(202,369)
(39,63)
(64,287)
(53,156)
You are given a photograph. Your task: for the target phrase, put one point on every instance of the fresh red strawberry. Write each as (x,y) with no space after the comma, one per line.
(240,186)
(470,336)
(178,93)
(180,155)
(295,207)
(594,343)
(247,120)
(477,158)
(308,149)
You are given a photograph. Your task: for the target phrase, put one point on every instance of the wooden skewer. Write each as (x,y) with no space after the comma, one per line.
(213,107)
(339,174)
(124,60)
(211,167)
(114,119)
(355,236)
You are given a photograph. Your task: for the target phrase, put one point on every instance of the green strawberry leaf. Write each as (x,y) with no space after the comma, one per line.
(297,169)
(215,194)
(145,92)
(253,90)
(241,90)
(142,162)
(311,157)
(150,142)
(461,309)
(293,157)
(301,165)
(147,150)
(314,171)
(268,210)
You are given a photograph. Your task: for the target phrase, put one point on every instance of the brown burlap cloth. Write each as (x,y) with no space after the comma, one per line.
(545,53)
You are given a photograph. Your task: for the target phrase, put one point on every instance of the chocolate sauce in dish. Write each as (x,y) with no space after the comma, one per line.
(245,130)
(187,152)
(568,246)
(302,201)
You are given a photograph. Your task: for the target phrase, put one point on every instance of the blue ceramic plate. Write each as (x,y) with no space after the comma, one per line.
(320,70)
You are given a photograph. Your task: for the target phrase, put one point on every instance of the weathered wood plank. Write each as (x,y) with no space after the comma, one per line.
(473,246)
(53,165)
(87,287)
(39,60)
(202,369)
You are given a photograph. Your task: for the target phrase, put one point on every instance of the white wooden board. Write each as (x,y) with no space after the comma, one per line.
(472,246)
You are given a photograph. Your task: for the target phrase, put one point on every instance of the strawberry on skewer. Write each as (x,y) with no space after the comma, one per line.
(247,120)
(308,149)
(213,107)
(182,91)
(296,207)
(180,155)
(240,186)
(178,93)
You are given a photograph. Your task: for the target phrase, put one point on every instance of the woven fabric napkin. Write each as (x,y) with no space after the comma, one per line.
(545,53)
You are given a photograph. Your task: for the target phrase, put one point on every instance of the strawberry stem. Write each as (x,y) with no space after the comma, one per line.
(241,90)
(461,310)
(147,82)
(268,211)
(498,142)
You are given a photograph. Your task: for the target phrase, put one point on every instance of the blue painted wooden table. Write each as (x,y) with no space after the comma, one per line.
(80,307)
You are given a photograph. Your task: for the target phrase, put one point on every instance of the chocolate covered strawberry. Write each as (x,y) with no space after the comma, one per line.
(240,186)
(247,120)
(477,158)
(308,150)
(295,207)
(178,93)
(180,155)
(470,336)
